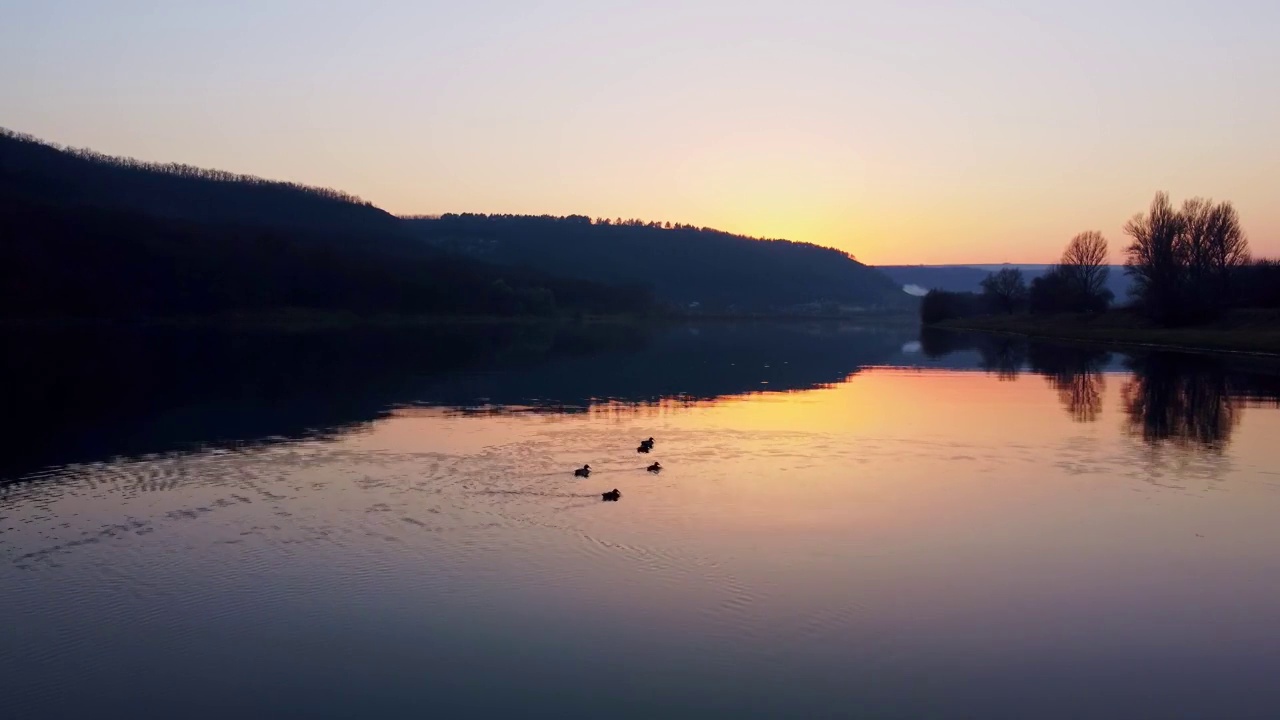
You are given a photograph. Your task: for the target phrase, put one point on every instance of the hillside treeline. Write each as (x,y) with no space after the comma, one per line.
(684,264)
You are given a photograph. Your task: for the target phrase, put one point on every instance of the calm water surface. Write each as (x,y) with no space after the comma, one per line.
(850,524)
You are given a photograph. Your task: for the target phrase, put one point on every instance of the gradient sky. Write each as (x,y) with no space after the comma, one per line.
(903,132)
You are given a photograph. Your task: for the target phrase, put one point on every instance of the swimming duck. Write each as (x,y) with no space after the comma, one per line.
(647,443)
(612,495)
(584,471)
(655,468)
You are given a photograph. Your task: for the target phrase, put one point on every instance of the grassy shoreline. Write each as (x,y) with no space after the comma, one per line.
(1242,332)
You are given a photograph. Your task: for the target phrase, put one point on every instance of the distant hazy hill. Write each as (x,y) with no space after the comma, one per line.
(919,279)
(683,264)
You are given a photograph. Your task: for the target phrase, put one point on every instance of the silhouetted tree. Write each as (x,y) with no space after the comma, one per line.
(1183,262)
(1078,283)
(1156,259)
(1050,293)
(1215,246)
(1257,285)
(1005,291)
(939,305)
(1084,269)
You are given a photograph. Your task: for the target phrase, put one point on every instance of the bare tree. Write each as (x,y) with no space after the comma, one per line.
(1155,258)
(1183,262)
(1005,290)
(1084,264)
(1214,246)
(1196,220)
(1228,245)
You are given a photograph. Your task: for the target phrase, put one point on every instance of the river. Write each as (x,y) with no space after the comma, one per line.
(849,522)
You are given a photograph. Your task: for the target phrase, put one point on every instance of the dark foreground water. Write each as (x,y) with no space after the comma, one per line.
(850,524)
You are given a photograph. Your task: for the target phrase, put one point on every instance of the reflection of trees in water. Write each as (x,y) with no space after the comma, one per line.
(1002,355)
(1075,373)
(1183,400)
(1258,389)
(1187,401)
(936,343)
(1081,395)
(1191,401)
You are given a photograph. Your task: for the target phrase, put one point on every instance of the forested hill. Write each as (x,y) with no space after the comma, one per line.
(148,238)
(87,236)
(683,264)
(86,262)
(36,171)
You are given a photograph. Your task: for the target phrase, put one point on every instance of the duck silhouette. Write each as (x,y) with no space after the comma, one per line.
(647,443)
(584,471)
(655,468)
(611,496)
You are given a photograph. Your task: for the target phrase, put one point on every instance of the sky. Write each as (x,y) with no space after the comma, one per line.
(901,132)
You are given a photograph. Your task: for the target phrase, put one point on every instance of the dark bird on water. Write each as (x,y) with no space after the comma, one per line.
(647,443)
(584,471)
(612,495)
(655,468)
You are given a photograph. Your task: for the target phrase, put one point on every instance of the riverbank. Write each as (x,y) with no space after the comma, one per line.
(1245,331)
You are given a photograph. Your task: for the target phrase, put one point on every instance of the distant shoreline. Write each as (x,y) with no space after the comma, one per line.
(1250,332)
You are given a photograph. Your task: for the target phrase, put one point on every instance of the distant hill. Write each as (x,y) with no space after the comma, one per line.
(157,236)
(919,279)
(684,264)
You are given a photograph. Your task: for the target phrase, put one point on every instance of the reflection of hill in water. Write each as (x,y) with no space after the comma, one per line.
(691,363)
(92,395)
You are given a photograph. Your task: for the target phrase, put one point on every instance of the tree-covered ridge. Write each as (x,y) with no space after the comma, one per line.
(240,241)
(87,235)
(580,220)
(46,172)
(685,264)
(75,261)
